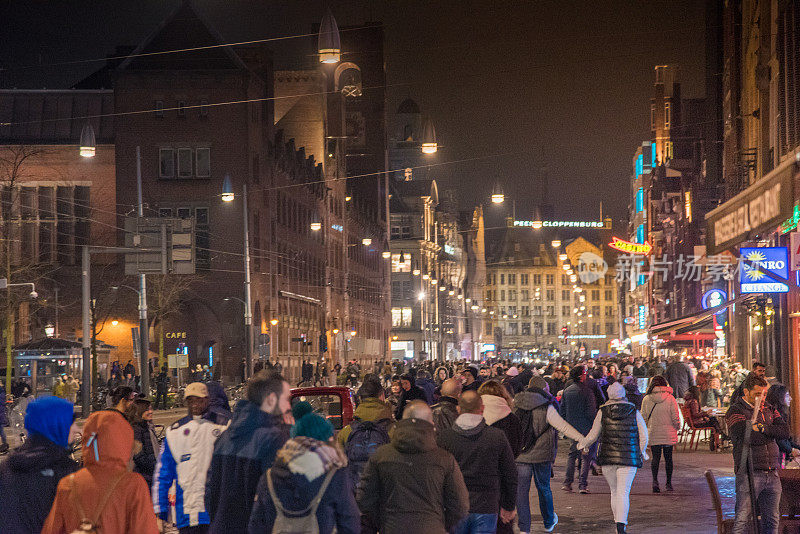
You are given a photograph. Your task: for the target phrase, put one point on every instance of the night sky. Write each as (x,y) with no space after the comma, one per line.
(531,87)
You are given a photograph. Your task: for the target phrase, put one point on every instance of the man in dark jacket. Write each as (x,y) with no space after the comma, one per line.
(765,456)
(487,464)
(408,392)
(578,408)
(759,369)
(245,450)
(410,484)
(679,376)
(28,478)
(426,384)
(520,382)
(469,379)
(446,410)
(162,387)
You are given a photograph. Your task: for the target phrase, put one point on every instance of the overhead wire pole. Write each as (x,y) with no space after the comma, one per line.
(144,327)
(248,312)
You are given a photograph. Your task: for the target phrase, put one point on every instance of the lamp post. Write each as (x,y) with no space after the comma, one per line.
(227,196)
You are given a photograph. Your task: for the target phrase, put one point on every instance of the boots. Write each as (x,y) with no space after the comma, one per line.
(656,489)
(621,528)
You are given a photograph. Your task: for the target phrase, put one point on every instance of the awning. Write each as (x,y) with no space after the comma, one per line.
(696,322)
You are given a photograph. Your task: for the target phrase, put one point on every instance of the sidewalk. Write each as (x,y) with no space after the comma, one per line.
(687,510)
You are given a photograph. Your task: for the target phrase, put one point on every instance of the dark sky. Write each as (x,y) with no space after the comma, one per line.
(523,84)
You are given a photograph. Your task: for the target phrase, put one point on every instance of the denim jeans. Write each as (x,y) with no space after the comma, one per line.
(586,464)
(541,478)
(767,487)
(477,524)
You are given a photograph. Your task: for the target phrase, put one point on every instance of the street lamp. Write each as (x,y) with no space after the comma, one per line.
(329,45)
(562,257)
(497,195)
(386,254)
(556,243)
(366,241)
(315,225)
(429,144)
(353,333)
(88,145)
(49,330)
(227,189)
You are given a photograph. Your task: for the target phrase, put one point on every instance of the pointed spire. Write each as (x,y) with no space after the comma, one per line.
(329,46)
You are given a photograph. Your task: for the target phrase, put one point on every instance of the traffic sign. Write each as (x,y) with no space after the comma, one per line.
(178,361)
(174,238)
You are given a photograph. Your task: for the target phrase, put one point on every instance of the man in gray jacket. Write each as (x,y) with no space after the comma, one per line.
(540,424)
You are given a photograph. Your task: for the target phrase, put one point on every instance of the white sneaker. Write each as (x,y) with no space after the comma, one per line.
(551,527)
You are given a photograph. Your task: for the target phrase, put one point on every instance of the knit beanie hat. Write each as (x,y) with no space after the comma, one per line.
(309,424)
(616,391)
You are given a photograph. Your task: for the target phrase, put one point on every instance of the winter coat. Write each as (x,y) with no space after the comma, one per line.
(411,485)
(107,445)
(510,426)
(184,460)
(3,409)
(679,377)
(371,409)
(662,415)
(415,393)
(487,464)
(619,435)
(444,412)
(217,398)
(145,450)
(428,386)
(579,406)
(539,426)
(241,455)
(764,450)
(28,480)
(337,509)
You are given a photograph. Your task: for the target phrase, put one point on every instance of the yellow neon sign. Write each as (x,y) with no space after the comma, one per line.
(630,248)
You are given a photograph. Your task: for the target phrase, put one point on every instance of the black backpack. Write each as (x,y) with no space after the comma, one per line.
(364,439)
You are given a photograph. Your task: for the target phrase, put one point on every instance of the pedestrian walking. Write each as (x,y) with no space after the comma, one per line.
(245,451)
(162,387)
(30,474)
(756,456)
(445,411)
(579,408)
(759,369)
(497,412)
(103,492)
(663,419)
(778,397)
(308,488)
(409,391)
(487,465)
(427,385)
(145,442)
(623,447)
(411,484)
(679,376)
(540,423)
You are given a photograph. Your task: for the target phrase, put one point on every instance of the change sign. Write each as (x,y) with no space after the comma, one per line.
(757,262)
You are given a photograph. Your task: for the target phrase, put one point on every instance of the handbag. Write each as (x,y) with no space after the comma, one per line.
(89,525)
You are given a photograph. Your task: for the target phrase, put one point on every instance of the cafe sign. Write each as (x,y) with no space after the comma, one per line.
(759,208)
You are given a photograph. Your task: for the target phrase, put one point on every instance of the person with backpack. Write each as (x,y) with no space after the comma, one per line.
(663,418)
(540,424)
(307,489)
(104,492)
(623,448)
(28,478)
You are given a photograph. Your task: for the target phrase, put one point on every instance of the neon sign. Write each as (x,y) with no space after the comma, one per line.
(713,298)
(752,277)
(629,247)
(561,224)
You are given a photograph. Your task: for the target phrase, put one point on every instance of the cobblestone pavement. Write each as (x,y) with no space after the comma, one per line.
(687,510)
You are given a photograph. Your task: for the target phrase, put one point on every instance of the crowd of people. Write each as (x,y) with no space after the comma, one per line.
(449,448)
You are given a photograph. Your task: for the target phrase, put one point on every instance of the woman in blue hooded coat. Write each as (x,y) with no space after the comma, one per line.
(30,474)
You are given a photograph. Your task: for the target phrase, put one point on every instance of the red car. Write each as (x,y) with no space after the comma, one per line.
(335,403)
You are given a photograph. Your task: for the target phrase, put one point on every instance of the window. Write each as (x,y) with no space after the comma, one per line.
(203,107)
(564,280)
(523,279)
(609,311)
(537,279)
(551,311)
(201,215)
(609,279)
(526,329)
(165,212)
(551,329)
(159,109)
(550,295)
(526,311)
(512,295)
(512,310)
(550,279)
(203,158)
(596,311)
(609,329)
(401,317)
(166,167)
(652,116)
(667,115)
(525,295)
(513,329)
(609,294)
(184,162)
(182,109)
(565,294)
(668,148)
(565,310)
(512,279)
(537,310)
(502,279)
(503,295)
(487,328)
(596,329)
(595,294)
(537,329)
(401,266)
(184,213)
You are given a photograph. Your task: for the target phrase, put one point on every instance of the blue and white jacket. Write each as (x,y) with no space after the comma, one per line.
(185,456)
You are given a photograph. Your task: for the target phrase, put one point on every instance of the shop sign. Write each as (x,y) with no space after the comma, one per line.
(713,298)
(630,247)
(794,246)
(753,276)
(642,317)
(175,335)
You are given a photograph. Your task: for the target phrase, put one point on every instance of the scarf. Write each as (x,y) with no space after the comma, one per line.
(494,408)
(309,457)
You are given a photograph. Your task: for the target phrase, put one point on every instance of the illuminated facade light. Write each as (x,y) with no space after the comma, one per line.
(498,198)
(421,295)
(273,322)
(316,226)
(329,45)
(416,272)
(114,322)
(562,257)
(366,241)
(88,146)
(555,243)
(386,254)
(227,189)
(429,144)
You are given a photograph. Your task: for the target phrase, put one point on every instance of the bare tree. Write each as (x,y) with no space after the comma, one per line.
(166,294)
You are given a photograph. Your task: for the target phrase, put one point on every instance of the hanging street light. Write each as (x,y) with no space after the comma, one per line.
(329,45)
(386,254)
(429,144)
(88,146)
(556,243)
(562,257)
(497,195)
(366,241)
(227,189)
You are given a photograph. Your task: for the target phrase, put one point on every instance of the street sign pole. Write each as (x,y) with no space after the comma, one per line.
(144,327)
(86,393)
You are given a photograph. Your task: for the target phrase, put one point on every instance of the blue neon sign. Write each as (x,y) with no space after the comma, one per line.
(713,298)
(753,277)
